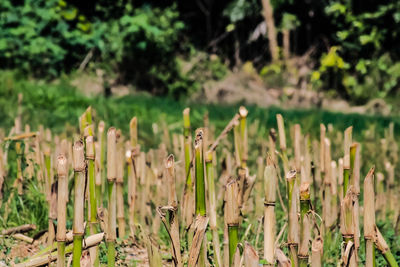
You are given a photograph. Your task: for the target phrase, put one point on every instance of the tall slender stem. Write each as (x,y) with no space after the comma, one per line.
(79,192)
(200,196)
(112,207)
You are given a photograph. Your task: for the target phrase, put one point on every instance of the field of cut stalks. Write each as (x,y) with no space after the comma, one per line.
(246,195)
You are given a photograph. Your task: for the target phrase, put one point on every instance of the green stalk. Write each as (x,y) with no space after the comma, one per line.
(303,262)
(243,137)
(77,251)
(92,195)
(390,259)
(48,170)
(291,180)
(373,256)
(79,192)
(346,180)
(90,157)
(200,196)
(61,254)
(111,253)
(98,195)
(233,231)
(384,249)
(111,243)
(212,209)
(353,150)
(187,146)
(112,207)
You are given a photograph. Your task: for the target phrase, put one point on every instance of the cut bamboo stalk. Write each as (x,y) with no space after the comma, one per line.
(380,195)
(297,147)
(200,194)
(101,139)
(282,142)
(270,183)
(98,175)
(243,136)
(199,174)
(317,252)
(232,215)
(226,242)
(111,235)
(79,187)
(22,237)
(62,171)
(347,228)
(120,189)
(20,177)
(133,173)
(369,218)
(305,225)
(355,183)
(327,201)
(307,158)
(293,235)
(250,256)
(188,197)
(272,144)
(200,226)
(93,223)
(346,158)
(89,242)
(322,147)
(19,229)
(334,192)
(213,207)
(340,180)
(259,188)
(172,210)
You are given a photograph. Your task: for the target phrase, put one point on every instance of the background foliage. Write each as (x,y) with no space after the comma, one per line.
(147,42)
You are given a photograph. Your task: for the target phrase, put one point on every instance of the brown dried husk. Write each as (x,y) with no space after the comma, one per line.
(380,242)
(281,258)
(250,256)
(346,214)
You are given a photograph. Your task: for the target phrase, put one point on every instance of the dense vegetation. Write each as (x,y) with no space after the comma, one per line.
(353,44)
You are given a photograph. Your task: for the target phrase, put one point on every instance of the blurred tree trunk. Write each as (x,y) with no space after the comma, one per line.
(286,44)
(271,30)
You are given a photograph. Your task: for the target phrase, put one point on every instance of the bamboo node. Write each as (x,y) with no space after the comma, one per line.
(268,204)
